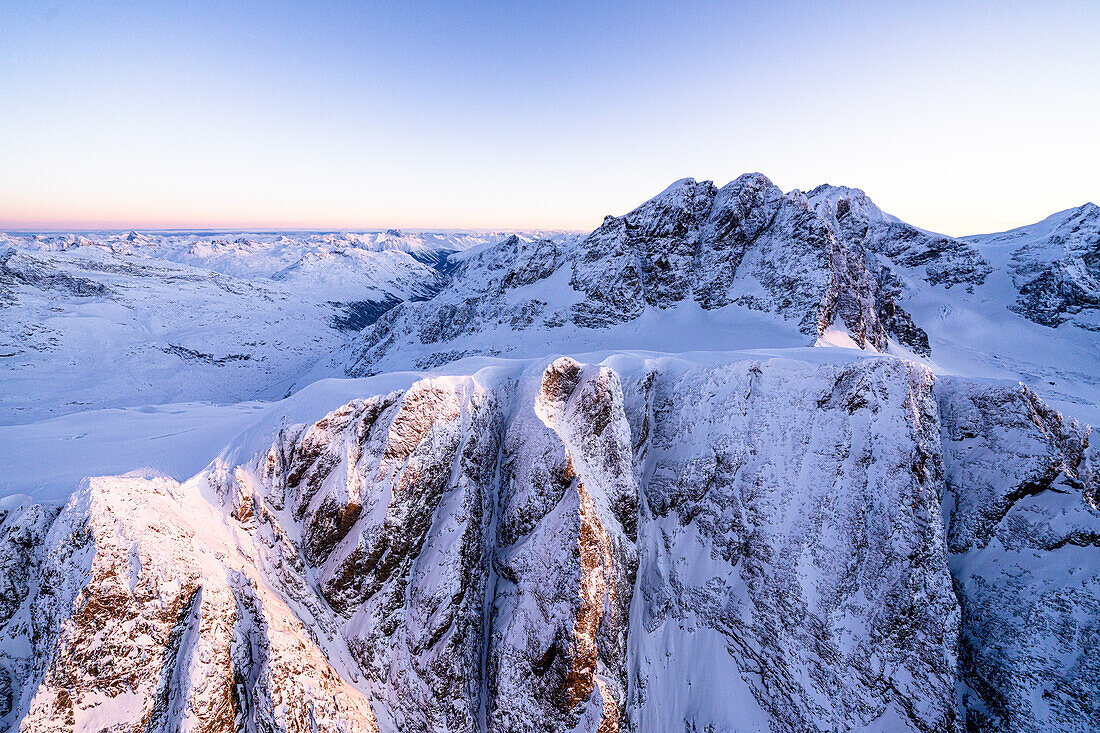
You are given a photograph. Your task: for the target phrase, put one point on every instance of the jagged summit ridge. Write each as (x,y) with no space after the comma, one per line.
(746,246)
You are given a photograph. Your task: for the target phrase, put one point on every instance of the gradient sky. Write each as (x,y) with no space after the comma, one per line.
(957,117)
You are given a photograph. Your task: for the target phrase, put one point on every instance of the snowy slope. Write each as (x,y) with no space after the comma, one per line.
(90,329)
(761,547)
(976,297)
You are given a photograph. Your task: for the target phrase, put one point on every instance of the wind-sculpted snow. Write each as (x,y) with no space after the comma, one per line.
(647,544)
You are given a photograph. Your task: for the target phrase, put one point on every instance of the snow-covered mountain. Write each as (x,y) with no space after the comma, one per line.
(115,320)
(622,481)
(1054,267)
(248,254)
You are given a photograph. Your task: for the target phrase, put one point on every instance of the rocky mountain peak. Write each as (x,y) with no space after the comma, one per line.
(843,202)
(744,247)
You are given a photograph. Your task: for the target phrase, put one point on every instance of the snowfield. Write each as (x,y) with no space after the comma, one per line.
(738,460)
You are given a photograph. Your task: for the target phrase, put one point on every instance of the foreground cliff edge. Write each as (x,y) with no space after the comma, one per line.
(811,540)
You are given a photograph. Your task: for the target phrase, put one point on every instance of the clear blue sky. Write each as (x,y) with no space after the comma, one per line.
(959,117)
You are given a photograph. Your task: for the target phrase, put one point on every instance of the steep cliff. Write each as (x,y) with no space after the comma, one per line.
(723,543)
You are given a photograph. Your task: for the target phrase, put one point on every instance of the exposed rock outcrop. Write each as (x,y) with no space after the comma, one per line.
(147,615)
(1024,535)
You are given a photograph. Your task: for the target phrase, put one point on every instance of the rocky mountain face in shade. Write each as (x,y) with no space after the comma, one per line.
(1021,506)
(863,226)
(645,544)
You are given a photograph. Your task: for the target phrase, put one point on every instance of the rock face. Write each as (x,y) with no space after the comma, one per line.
(645,544)
(793,521)
(936,259)
(1024,531)
(143,619)
(1055,267)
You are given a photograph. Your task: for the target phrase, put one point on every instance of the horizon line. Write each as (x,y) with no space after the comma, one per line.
(279,230)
